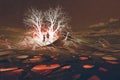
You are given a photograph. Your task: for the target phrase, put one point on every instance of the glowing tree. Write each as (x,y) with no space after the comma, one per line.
(47,26)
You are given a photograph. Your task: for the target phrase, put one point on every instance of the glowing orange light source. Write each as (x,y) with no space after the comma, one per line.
(66,67)
(45,67)
(109,58)
(83,58)
(8,69)
(88,66)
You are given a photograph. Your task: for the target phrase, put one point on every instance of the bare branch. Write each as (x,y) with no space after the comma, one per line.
(34,17)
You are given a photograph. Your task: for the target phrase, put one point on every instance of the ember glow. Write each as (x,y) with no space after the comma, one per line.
(44,67)
(8,69)
(46,26)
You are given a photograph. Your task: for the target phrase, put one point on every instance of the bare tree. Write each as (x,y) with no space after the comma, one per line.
(47,25)
(34,19)
(58,21)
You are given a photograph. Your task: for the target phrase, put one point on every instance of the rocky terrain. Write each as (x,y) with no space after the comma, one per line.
(92,56)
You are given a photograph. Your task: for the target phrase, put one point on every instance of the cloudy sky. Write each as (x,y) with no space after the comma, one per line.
(82,12)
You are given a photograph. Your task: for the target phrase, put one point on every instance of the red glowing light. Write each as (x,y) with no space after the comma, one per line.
(45,67)
(83,58)
(87,66)
(8,69)
(66,67)
(103,69)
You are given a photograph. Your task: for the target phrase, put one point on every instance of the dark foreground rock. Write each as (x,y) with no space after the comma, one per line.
(85,63)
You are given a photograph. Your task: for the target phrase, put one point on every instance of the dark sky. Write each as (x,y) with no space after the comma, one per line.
(82,12)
